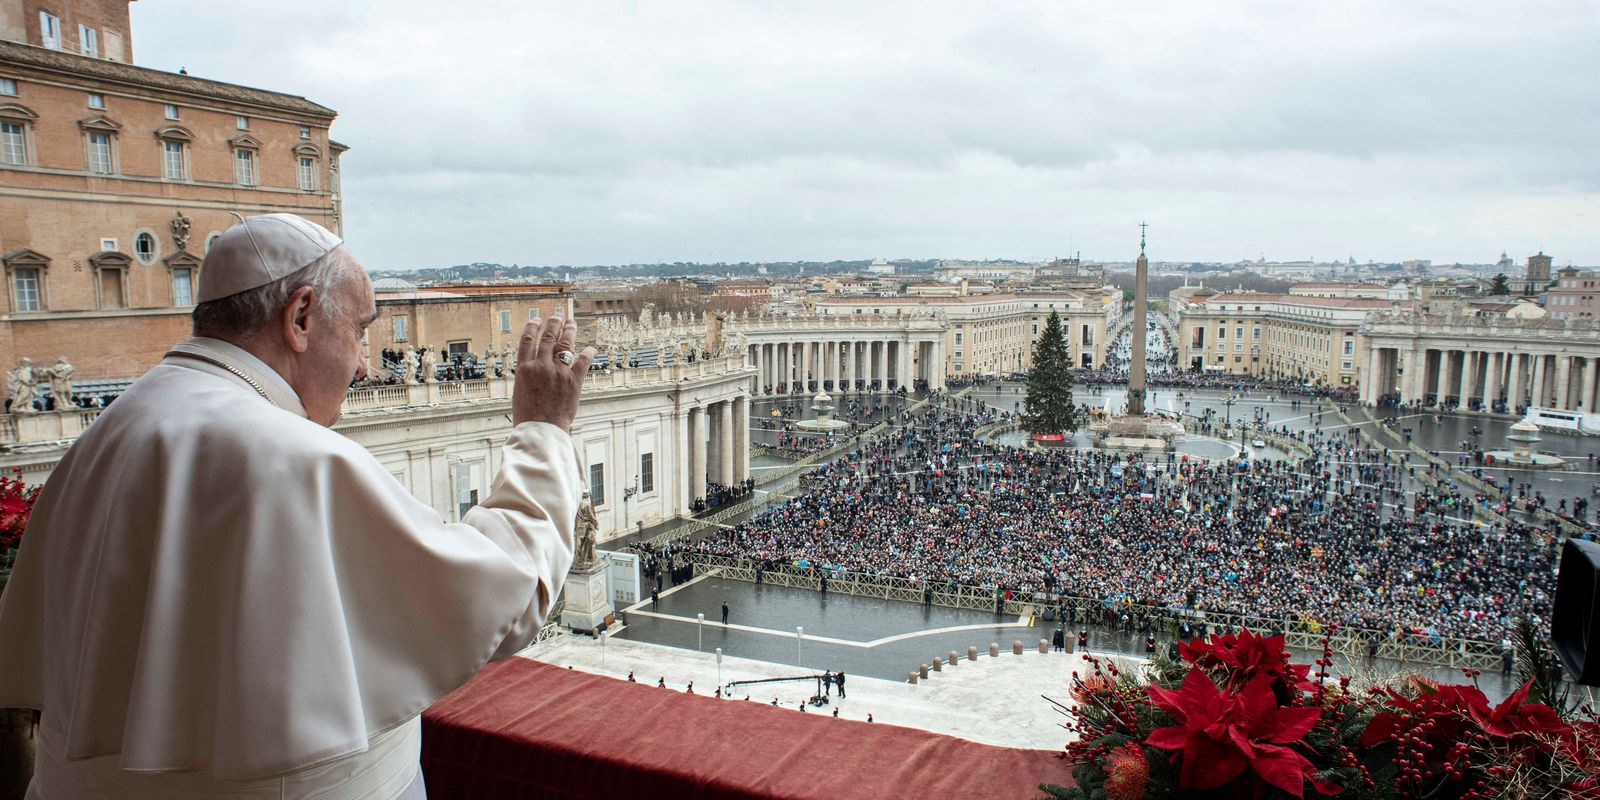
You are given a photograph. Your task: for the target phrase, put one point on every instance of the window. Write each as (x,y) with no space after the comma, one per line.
(89,41)
(8,87)
(111,288)
(144,246)
(244,167)
(108,245)
(958,337)
(100,152)
(171,111)
(532,313)
(241,122)
(172,165)
(50,30)
(182,287)
(597,484)
(305,131)
(1349,348)
(505,322)
(28,294)
(308,174)
(13,143)
(399,329)
(647,472)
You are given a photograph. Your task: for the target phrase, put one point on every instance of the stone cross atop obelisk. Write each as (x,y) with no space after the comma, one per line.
(1141,298)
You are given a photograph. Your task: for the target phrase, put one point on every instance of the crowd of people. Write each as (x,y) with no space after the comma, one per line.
(1342,536)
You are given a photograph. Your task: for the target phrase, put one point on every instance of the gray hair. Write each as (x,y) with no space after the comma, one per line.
(244,314)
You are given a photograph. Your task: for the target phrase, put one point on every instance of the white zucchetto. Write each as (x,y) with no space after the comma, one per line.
(259,250)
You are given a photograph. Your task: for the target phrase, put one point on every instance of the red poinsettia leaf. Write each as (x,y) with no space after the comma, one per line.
(1379,729)
(1171,738)
(1282,767)
(1208,763)
(1325,787)
(1197,698)
(1256,704)
(1292,724)
(1517,698)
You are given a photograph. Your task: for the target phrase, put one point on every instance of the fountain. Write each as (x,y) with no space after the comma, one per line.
(1524,435)
(823,405)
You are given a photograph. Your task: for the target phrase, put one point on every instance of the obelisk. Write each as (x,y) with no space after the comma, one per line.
(1141,297)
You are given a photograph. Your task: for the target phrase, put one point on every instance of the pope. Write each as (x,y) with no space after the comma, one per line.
(220,596)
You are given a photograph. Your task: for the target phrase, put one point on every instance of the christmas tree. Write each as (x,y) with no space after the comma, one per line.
(1049,408)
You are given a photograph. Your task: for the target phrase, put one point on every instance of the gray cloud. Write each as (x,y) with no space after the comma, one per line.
(611,132)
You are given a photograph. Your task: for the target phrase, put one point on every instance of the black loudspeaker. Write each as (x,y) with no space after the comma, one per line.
(1575,626)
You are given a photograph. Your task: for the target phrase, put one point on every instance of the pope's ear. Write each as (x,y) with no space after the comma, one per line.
(297,319)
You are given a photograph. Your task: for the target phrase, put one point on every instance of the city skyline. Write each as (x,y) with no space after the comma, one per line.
(726,132)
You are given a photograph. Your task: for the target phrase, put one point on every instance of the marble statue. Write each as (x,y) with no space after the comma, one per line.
(410,374)
(585,527)
(22,383)
(61,383)
(430,365)
(509,356)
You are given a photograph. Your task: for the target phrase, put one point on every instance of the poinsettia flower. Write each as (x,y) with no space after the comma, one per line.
(1247,656)
(1515,717)
(1451,708)
(1221,735)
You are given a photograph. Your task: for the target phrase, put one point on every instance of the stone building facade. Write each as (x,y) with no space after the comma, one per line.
(1576,294)
(994,334)
(453,319)
(113,179)
(1482,362)
(1306,338)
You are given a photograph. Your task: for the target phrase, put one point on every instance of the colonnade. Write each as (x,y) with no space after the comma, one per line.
(718,445)
(1497,380)
(846,365)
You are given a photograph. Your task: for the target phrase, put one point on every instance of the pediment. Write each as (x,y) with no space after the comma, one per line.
(182,259)
(175,132)
(25,257)
(307,150)
(245,140)
(99,122)
(16,111)
(110,259)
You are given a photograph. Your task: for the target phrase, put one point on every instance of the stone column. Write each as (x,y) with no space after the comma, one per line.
(875,362)
(1469,377)
(741,439)
(1589,400)
(714,464)
(1369,380)
(697,455)
(936,379)
(1514,381)
(1442,382)
(725,465)
(1538,399)
(850,366)
(1563,383)
(680,469)
(1494,363)
(805,366)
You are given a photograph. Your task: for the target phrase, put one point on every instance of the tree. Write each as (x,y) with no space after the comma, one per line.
(1500,285)
(1049,407)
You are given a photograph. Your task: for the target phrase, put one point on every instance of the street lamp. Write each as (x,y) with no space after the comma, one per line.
(719,667)
(799,638)
(700,629)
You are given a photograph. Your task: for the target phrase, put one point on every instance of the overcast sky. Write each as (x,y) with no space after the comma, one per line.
(597,133)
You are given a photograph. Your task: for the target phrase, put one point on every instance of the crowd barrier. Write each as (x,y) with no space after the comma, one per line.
(1353,643)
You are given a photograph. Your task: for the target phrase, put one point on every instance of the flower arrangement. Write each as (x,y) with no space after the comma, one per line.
(1235,718)
(16,503)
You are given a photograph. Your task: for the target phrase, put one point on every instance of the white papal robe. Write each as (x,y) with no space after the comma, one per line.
(216,595)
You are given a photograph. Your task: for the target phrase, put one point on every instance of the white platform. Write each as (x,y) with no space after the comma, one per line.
(992,700)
